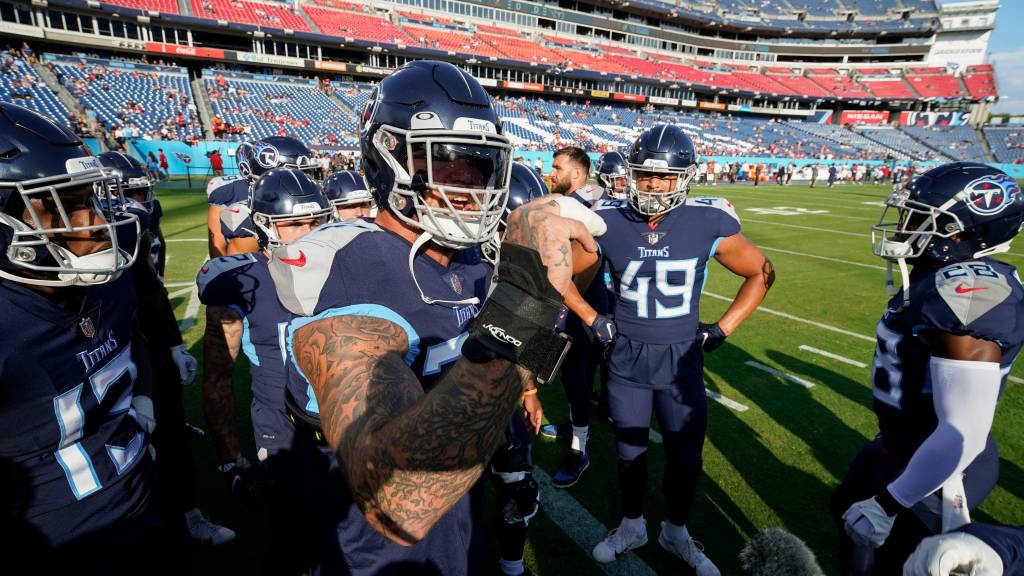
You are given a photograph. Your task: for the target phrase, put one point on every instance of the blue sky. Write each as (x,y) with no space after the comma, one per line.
(1007,53)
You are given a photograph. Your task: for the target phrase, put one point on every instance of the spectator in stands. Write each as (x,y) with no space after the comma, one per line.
(27,52)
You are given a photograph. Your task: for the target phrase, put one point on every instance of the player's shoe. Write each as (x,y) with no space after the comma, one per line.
(575,463)
(618,542)
(206,532)
(557,431)
(691,552)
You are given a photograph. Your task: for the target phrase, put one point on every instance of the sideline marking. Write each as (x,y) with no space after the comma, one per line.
(833,356)
(780,374)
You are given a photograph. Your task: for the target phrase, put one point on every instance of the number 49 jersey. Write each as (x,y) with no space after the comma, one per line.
(658,273)
(983,299)
(71,450)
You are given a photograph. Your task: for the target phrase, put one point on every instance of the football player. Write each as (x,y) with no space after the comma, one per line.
(347,192)
(612,174)
(285,205)
(657,248)
(173,365)
(225,193)
(400,370)
(945,345)
(77,414)
(570,170)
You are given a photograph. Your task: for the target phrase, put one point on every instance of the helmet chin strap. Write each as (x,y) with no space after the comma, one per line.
(890,286)
(423,239)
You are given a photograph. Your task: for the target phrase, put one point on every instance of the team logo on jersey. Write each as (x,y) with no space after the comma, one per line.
(655,237)
(653,252)
(989,195)
(457,282)
(267,156)
(87,327)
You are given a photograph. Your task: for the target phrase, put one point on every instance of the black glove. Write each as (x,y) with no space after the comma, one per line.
(246,483)
(603,329)
(710,336)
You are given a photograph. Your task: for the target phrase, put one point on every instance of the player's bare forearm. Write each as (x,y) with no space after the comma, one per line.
(221,342)
(216,243)
(744,259)
(408,456)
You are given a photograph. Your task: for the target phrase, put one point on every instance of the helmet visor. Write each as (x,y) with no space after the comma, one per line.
(461,165)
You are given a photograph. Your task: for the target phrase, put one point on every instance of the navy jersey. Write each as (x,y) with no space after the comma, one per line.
(69,433)
(597,293)
(227,190)
(983,299)
(357,268)
(658,274)
(1007,541)
(242,283)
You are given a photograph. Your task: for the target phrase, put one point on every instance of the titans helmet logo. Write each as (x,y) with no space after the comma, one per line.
(989,195)
(267,156)
(185,158)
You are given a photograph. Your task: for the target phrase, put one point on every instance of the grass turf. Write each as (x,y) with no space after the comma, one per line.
(773,464)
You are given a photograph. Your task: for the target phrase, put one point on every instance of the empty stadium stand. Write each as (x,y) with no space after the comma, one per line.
(266,14)
(19,83)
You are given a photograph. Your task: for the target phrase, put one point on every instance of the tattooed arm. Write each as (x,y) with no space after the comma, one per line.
(408,456)
(221,342)
(743,258)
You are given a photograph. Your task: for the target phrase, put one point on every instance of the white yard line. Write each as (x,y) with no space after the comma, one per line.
(817,257)
(828,327)
(1015,379)
(582,528)
(780,374)
(727,402)
(185,240)
(179,284)
(189,320)
(813,228)
(833,356)
(180,292)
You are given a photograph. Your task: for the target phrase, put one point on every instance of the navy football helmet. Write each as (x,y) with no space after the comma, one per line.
(46,177)
(524,186)
(133,178)
(661,150)
(346,188)
(256,157)
(431,126)
(954,212)
(281,195)
(612,173)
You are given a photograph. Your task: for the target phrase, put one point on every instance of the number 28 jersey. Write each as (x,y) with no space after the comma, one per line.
(983,299)
(658,273)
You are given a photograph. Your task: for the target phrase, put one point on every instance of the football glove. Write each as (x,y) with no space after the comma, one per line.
(603,328)
(867,523)
(186,363)
(143,408)
(245,482)
(953,553)
(710,336)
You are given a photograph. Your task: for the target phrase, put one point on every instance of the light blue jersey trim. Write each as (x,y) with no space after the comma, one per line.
(372,310)
(714,248)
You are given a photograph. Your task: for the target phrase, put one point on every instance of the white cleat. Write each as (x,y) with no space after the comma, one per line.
(691,552)
(206,532)
(618,542)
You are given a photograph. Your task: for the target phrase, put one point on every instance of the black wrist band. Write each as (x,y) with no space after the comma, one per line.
(518,319)
(888,503)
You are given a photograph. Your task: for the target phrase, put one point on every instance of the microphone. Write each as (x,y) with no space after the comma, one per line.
(775,552)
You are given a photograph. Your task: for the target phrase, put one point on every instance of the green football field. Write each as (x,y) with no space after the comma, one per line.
(790,402)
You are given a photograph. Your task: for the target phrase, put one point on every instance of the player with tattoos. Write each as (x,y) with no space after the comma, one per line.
(399,370)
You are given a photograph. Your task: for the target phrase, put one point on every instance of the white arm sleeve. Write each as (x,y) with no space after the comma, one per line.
(964,394)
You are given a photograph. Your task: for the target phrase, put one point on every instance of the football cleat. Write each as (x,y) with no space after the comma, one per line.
(618,542)
(691,552)
(575,464)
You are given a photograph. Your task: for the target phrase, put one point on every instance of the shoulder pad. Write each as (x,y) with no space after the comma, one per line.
(971,289)
(216,268)
(301,269)
(714,202)
(235,220)
(609,204)
(219,181)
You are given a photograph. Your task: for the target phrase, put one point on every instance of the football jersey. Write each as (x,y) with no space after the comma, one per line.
(227,190)
(658,273)
(356,268)
(596,294)
(236,222)
(242,283)
(983,299)
(66,384)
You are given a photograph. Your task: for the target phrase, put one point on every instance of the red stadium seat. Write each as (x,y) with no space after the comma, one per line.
(260,14)
(450,41)
(165,6)
(357,26)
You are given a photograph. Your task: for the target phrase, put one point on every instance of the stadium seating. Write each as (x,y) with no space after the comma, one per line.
(164,6)
(902,142)
(980,82)
(841,87)
(278,106)
(270,14)
(20,84)
(960,142)
(521,49)
(450,41)
(357,26)
(123,94)
(932,86)
(1007,144)
(888,89)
